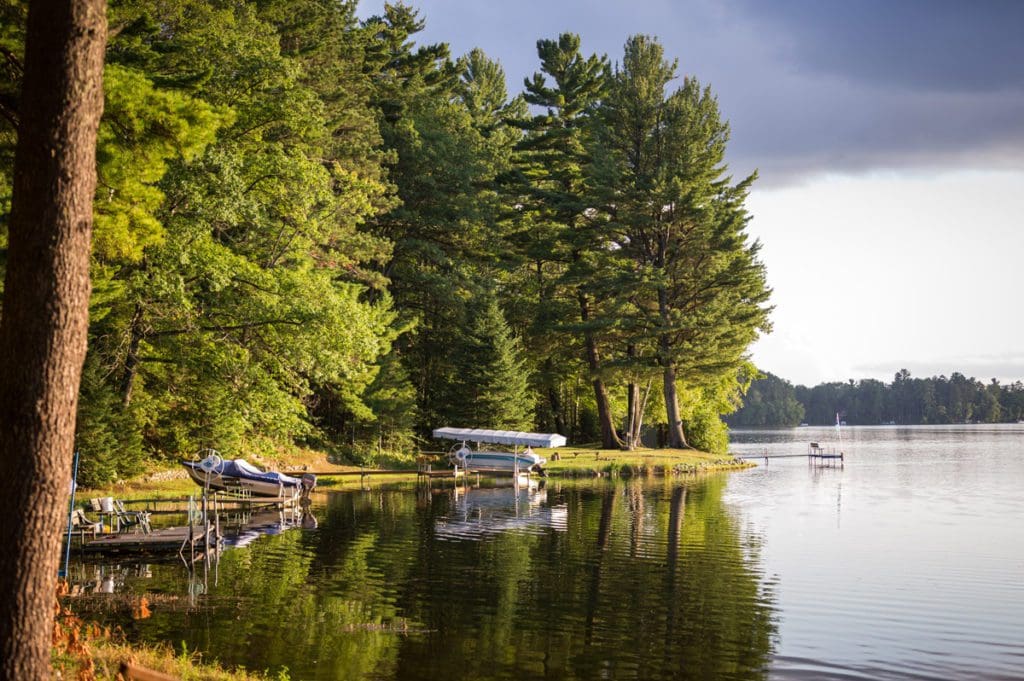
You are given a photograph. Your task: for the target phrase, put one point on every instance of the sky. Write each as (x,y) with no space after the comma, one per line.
(888,136)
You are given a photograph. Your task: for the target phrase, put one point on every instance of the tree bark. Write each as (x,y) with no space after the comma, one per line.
(632,403)
(676,438)
(609,438)
(45,315)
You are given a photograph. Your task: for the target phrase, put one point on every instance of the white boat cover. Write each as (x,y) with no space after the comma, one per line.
(501,437)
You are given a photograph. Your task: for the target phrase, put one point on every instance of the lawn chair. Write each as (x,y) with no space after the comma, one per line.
(131,519)
(83,525)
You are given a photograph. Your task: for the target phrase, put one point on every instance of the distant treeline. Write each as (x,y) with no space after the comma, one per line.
(773,401)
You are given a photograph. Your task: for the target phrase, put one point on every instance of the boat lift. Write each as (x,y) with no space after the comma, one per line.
(510,462)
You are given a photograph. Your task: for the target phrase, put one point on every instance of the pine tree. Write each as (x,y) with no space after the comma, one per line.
(561,240)
(491,384)
(698,289)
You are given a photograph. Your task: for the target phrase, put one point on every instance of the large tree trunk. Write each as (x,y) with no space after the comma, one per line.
(45,316)
(638,399)
(676,438)
(632,404)
(609,438)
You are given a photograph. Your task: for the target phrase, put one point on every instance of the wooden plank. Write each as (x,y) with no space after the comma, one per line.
(442,474)
(166,539)
(368,471)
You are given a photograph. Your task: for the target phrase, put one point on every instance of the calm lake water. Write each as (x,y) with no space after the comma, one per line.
(906,563)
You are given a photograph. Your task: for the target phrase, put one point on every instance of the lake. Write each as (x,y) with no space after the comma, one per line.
(904,563)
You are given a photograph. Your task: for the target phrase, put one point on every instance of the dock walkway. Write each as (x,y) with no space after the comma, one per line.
(166,540)
(816,454)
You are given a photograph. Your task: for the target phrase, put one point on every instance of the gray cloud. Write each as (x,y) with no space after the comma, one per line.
(945,45)
(874,84)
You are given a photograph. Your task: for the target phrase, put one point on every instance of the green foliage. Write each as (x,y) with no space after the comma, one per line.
(109,438)
(559,286)
(490,388)
(311,230)
(770,401)
(442,125)
(702,407)
(230,266)
(143,129)
(692,292)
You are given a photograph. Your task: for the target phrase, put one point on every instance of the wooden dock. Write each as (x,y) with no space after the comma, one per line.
(166,540)
(816,454)
(178,505)
(367,472)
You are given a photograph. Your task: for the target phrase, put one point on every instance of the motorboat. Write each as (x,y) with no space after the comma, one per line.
(483,460)
(239,475)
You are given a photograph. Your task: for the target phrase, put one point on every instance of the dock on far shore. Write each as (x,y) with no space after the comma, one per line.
(816,454)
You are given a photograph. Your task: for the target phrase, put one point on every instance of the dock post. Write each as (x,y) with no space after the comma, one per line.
(206,521)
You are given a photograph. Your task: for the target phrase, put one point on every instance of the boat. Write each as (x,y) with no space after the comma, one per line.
(515,461)
(239,475)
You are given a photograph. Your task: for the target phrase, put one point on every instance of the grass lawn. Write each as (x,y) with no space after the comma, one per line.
(584,461)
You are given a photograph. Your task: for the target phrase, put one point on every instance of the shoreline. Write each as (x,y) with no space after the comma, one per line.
(571,462)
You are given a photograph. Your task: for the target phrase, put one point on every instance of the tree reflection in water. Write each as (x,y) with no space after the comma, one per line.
(636,580)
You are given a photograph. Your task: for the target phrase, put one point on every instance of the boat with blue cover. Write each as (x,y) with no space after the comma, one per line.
(238,474)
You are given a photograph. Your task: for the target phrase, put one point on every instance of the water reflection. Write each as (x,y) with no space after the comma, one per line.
(478,512)
(646,580)
(920,579)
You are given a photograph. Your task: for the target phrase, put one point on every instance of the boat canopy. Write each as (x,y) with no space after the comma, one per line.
(501,437)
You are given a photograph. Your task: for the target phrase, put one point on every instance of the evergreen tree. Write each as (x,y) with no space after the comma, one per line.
(442,124)
(490,388)
(699,290)
(559,237)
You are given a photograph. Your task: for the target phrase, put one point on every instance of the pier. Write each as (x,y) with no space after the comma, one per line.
(184,540)
(177,505)
(816,455)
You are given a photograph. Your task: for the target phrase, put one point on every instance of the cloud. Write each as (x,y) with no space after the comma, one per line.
(849,87)
(809,87)
(938,45)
